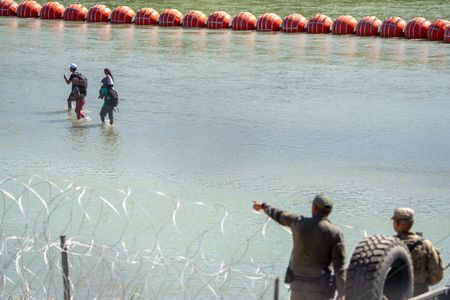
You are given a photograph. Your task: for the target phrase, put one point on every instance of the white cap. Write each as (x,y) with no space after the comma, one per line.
(73,66)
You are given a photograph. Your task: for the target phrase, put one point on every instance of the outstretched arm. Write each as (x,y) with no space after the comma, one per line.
(282,217)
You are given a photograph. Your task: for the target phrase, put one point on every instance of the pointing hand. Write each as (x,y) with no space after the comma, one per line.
(257,205)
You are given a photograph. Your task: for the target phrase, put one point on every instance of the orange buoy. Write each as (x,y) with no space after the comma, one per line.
(243,21)
(146,16)
(75,12)
(437,29)
(170,18)
(393,27)
(28,9)
(319,24)
(52,10)
(368,26)
(294,23)
(122,14)
(447,35)
(8,7)
(194,19)
(98,13)
(268,22)
(218,20)
(344,25)
(417,28)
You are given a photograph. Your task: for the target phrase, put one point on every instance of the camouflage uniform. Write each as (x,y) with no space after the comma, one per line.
(316,244)
(427,263)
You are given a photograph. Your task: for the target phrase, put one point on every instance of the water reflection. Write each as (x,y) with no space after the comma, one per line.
(125,34)
(319,47)
(78,134)
(245,38)
(345,46)
(300,43)
(370,49)
(146,36)
(394,50)
(110,136)
(55,25)
(29,23)
(11,22)
(171,41)
(219,40)
(418,53)
(194,39)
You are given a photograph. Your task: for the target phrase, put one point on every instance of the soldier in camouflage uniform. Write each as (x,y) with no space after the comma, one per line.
(317,244)
(427,263)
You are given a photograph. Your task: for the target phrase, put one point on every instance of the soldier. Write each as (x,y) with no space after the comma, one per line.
(427,263)
(316,244)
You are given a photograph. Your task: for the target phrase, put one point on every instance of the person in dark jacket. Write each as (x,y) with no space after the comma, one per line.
(317,245)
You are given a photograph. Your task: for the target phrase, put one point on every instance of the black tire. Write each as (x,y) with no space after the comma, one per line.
(380,268)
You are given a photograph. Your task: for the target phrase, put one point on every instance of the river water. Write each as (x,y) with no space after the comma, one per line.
(223,117)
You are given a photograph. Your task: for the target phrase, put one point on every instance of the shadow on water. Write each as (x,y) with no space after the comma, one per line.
(53,112)
(69,116)
(82,125)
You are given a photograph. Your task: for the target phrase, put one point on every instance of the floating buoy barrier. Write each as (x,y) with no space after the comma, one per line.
(268,22)
(243,21)
(437,29)
(146,16)
(393,27)
(170,18)
(122,15)
(219,20)
(368,26)
(8,7)
(294,23)
(344,25)
(194,19)
(75,12)
(98,13)
(52,10)
(319,24)
(447,35)
(417,28)
(29,9)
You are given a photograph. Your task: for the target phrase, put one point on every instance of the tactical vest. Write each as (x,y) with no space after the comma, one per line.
(419,255)
(427,262)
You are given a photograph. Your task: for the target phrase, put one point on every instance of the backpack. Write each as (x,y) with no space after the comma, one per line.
(82,83)
(113,97)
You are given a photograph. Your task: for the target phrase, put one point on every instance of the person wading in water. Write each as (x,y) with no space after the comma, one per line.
(79,89)
(109,95)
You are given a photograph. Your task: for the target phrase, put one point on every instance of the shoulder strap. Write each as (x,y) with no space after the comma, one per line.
(412,246)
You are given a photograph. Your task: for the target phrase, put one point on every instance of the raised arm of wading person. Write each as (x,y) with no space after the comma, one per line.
(73,69)
(317,244)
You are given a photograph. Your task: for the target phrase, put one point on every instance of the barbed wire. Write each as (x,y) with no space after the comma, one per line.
(128,247)
(121,248)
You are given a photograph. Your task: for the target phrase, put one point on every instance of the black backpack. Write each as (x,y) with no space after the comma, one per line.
(113,97)
(82,83)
